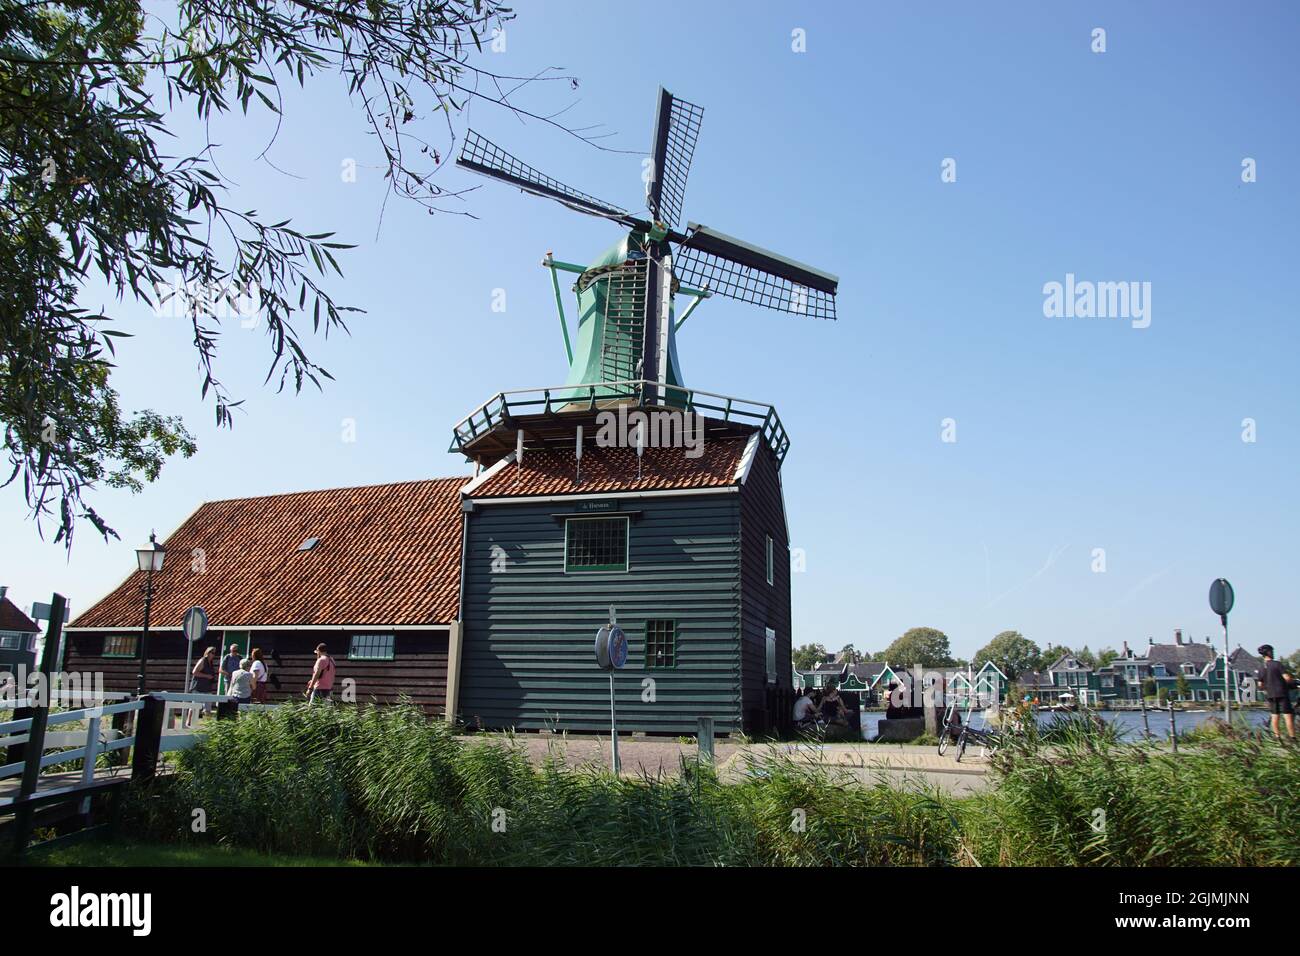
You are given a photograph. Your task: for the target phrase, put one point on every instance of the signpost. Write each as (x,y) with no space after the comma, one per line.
(195,626)
(41,611)
(611,655)
(1221,600)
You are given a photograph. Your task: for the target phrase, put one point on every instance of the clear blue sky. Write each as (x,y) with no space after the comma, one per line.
(1072,434)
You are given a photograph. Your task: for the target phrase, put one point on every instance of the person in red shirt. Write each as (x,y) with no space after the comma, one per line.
(321,685)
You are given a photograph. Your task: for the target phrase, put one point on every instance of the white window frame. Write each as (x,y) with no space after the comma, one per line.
(392,644)
(771,561)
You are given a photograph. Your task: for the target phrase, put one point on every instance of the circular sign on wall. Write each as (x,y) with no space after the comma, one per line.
(1221,597)
(611,647)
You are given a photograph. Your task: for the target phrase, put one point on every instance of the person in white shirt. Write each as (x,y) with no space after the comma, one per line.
(241,682)
(804,708)
(260,676)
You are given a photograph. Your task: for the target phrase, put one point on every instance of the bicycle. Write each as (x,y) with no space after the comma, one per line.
(950,731)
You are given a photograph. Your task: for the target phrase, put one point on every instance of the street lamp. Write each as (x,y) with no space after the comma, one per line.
(150,559)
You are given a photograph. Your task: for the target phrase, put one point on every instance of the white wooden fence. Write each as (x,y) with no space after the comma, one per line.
(180,718)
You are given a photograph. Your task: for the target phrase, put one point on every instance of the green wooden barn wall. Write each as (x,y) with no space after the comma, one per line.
(527,659)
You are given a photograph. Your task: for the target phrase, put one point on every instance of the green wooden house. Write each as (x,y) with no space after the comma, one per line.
(692,555)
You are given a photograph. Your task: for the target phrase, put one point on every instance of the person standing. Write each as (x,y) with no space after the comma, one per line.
(203,680)
(321,685)
(205,673)
(229,664)
(1277,682)
(241,682)
(260,676)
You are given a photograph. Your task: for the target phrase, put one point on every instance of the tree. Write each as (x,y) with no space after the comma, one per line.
(1182,687)
(1106,655)
(920,646)
(1086,657)
(849,655)
(85,190)
(808,656)
(1012,652)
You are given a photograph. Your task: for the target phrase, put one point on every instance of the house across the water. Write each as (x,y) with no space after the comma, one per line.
(480,597)
(1184,670)
(18,634)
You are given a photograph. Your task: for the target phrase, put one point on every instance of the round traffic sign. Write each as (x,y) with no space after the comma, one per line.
(195,624)
(1221,597)
(611,647)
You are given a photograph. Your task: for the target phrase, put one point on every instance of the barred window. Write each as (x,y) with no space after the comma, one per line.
(660,643)
(121,645)
(595,544)
(371,647)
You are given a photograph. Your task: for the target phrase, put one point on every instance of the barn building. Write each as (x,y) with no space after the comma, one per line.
(479,597)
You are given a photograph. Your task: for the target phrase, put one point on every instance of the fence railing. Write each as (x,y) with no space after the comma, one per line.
(178,730)
(531,401)
(93,742)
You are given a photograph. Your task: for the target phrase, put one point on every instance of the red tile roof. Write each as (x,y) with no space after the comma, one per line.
(13,619)
(615,469)
(387,555)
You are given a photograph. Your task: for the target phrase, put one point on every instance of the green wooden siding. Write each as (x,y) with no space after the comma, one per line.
(527,659)
(764,605)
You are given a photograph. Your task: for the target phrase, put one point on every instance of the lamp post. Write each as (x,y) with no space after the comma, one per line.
(149,559)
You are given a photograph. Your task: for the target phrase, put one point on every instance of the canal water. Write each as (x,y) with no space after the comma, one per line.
(1129,721)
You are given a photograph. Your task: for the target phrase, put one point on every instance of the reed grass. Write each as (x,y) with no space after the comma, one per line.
(389,785)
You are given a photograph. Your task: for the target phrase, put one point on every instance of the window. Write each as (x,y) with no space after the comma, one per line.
(9,642)
(771,563)
(660,643)
(371,647)
(120,645)
(771,653)
(595,544)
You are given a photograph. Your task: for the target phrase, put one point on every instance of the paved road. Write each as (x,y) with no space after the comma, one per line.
(897,764)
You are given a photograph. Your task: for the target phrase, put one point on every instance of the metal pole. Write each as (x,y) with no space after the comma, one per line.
(1146,725)
(144,635)
(1227,695)
(613,724)
(189,664)
(1173,727)
(559,306)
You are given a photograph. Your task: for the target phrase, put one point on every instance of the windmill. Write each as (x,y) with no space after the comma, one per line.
(626,317)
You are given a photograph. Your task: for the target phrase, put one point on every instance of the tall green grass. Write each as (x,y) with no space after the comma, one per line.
(387,784)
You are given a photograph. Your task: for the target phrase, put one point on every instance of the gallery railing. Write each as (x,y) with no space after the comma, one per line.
(502,407)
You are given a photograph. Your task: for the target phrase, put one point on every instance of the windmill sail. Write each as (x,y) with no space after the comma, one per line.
(677,127)
(483,156)
(710,259)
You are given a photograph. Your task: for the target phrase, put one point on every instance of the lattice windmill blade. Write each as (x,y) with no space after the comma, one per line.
(710,259)
(677,127)
(483,156)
